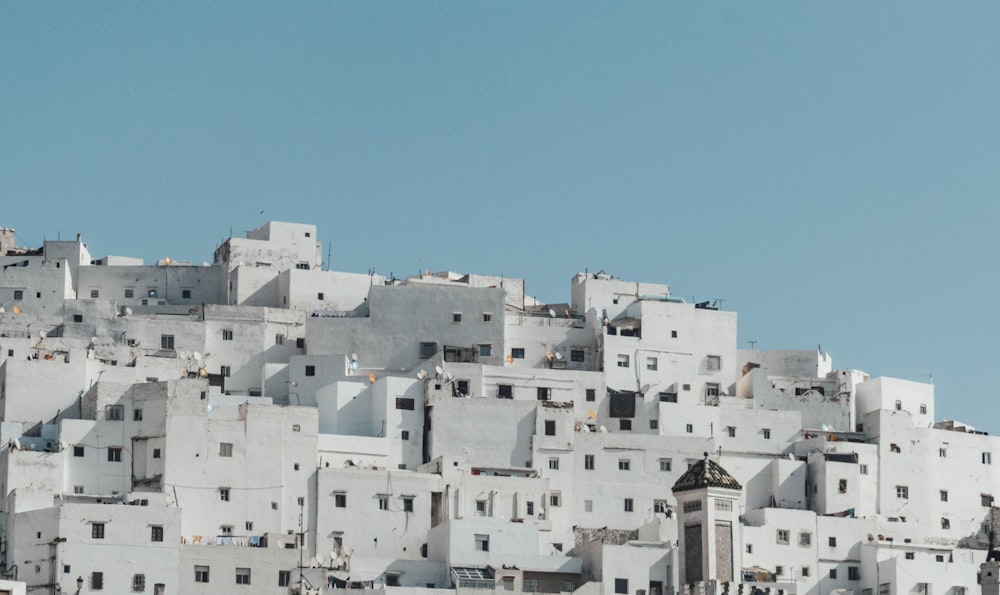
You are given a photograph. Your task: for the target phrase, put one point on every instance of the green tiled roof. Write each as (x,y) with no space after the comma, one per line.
(706,474)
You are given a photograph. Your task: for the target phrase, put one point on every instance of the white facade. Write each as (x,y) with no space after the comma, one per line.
(260,424)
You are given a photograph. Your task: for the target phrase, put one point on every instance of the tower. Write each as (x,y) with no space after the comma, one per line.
(707,515)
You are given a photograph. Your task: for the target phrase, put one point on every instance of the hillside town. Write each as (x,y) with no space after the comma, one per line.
(260,424)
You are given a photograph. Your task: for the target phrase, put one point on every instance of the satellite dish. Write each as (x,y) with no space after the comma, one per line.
(17,444)
(510,359)
(210,408)
(371,378)
(604,429)
(93,340)
(356,462)
(354,357)
(552,313)
(438,370)
(128,311)
(2,310)
(591,414)
(355,366)
(449,376)
(202,372)
(197,356)
(42,334)
(549,355)
(167,261)
(16,310)
(584,428)
(559,356)
(422,374)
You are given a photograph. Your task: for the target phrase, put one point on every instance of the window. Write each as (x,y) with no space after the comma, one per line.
(713,363)
(405,403)
(591,394)
(284,578)
(853,573)
(622,360)
(668,397)
(18,294)
(487,316)
(407,503)
(544,393)
(156,453)
(805,571)
(779,570)
(628,504)
(766,433)
(226,529)
(692,506)
(923,410)
(340,500)
(832,541)
(550,427)
(673,334)
(782,536)
(530,585)
(295,467)
(529,508)
(224,494)
(225,371)
(554,463)
(909,555)
(986,500)
(115,454)
(899,405)
(129,293)
(137,415)
(938,558)
(666,465)
(94,294)
(156,533)
(456,317)
(485,350)
(712,389)
(482,542)
(166,341)
(944,495)
(902,492)
(383,502)
(505,391)
(404,435)
(186,294)
(945,523)
(97,530)
(749,548)
(863,469)
(555,498)
(689,428)
(731,431)
(96,581)
(225,449)
(310,370)
(78,318)
(139,582)
(78,451)
(651,363)
(588,506)
(300,343)
(114,412)
(833,573)
(462,386)
(588,462)
(576,355)
(242,576)
(842,486)
(625,425)
(987,458)
(227,334)
(621,586)
(517,352)
(624,464)
(893,447)
(428,349)
(319,296)
(201,574)
(805,539)
(943,453)
(480,507)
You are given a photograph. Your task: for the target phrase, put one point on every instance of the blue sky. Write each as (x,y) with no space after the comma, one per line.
(830,169)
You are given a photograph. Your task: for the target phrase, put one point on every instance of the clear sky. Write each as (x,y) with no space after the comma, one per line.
(829,169)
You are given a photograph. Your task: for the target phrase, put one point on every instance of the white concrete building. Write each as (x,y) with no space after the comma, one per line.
(258,424)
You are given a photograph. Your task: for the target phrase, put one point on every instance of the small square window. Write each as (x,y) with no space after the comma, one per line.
(591,394)
(621,586)
(668,397)
(227,334)
(588,506)
(731,431)
(310,370)
(137,415)
(201,574)
(319,296)
(666,465)
(629,505)
(156,533)
(407,504)
(517,352)
(902,492)
(97,530)
(456,317)
(782,536)
(713,363)
(673,334)
(300,343)
(505,391)
(482,542)
(242,576)
(654,424)
(225,449)
(833,573)
(166,341)
(18,294)
(909,555)
(115,454)
(689,428)
(622,360)
(544,393)
(554,463)
(428,349)
(625,425)
(78,318)
(383,502)
(986,500)
(485,350)
(853,573)
(156,453)
(487,316)
(588,462)
(225,371)
(152,293)
(712,389)
(95,293)
(651,363)
(550,427)
(555,498)
(224,494)
(577,355)
(78,450)
(186,294)
(340,500)
(766,433)
(404,435)
(624,464)
(129,293)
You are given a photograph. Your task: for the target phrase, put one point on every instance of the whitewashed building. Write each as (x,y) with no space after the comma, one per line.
(258,424)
